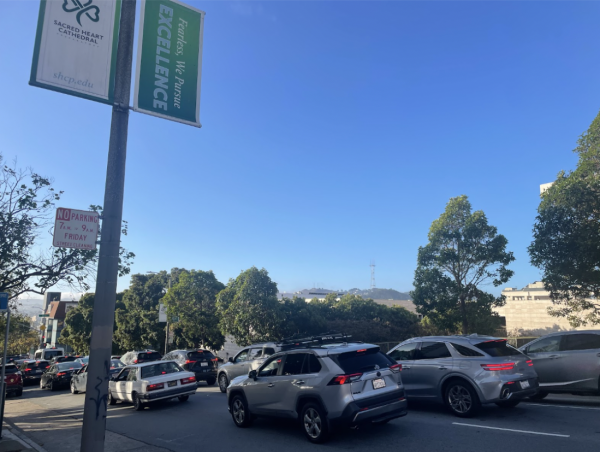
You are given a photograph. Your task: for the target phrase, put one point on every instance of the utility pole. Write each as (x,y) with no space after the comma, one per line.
(3,385)
(372,274)
(94,414)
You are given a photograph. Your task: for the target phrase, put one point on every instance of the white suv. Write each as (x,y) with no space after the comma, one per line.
(149,382)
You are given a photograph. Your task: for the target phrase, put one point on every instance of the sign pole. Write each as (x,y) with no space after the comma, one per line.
(4,369)
(95,410)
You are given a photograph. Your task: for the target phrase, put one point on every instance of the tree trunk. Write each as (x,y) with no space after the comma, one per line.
(463,311)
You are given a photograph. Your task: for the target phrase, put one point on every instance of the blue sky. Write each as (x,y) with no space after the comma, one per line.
(333,133)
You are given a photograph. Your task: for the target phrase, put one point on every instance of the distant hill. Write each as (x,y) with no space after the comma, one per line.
(30,306)
(380,294)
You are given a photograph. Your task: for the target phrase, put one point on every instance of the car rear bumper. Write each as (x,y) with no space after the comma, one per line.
(169,394)
(202,375)
(514,391)
(394,405)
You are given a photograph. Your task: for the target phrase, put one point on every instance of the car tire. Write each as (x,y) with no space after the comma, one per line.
(539,396)
(137,402)
(183,398)
(462,399)
(508,403)
(73,390)
(315,423)
(239,412)
(111,399)
(223,382)
(211,381)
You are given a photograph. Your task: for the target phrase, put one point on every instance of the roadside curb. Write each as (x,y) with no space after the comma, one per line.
(10,431)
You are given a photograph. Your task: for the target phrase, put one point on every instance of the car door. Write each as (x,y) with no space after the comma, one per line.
(120,383)
(48,375)
(131,383)
(432,362)
(264,394)
(80,379)
(547,361)
(405,355)
(240,365)
(581,360)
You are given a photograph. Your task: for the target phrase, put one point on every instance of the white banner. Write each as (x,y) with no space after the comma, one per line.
(76,47)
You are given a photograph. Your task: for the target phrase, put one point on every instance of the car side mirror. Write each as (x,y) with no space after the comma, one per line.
(230,359)
(252,374)
(113,378)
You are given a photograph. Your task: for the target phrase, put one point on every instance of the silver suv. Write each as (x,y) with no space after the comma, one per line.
(567,362)
(320,385)
(246,360)
(465,372)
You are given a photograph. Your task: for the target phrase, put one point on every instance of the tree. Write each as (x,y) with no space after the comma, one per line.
(249,308)
(463,252)
(137,320)
(21,337)
(566,235)
(27,204)
(300,318)
(193,300)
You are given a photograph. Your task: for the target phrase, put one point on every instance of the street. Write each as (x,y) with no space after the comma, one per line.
(53,420)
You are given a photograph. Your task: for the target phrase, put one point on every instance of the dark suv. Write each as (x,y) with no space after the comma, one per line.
(319,382)
(202,362)
(32,370)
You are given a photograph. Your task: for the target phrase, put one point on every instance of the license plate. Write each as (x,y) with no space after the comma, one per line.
(378,383)
(524,384)
(170,384)
(38,371)
(204,364)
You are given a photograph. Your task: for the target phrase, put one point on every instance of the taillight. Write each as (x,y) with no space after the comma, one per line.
(185,381)
(529,362)
(189,361)
(495,367)
(135,361)
(396,368)
(27,370)
(154,387)
(60,374)
(344,379)
(215,360)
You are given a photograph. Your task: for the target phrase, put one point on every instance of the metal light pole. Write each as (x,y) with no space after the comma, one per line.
(94,414)
(4,370)
(167,338)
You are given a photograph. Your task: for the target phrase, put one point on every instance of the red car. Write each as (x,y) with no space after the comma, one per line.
(13,380)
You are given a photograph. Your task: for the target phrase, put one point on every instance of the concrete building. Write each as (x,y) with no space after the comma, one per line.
(526,311)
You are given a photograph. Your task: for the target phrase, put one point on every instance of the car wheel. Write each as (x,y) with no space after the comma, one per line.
(223,382)
(508,403)
(239,412)
(462,399)
(73,390)
(183,398)
(137,402)
(315,423)
(211,381)
(111,399)
(539,396)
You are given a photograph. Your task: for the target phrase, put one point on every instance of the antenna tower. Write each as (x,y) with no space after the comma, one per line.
(372,274)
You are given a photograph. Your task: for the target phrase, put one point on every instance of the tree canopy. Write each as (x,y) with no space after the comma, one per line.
(566,235)
(463,253)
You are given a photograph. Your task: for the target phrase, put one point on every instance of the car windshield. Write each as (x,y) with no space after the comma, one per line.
(498,347)
(116,364)
(69,366)
(362,360)
(156,370)
(84,360)
(11,369)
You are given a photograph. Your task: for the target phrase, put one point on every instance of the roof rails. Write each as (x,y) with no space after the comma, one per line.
(312,341)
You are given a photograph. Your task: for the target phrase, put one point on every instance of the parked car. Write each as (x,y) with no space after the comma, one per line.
(202,362)
(139,357)
(465,372)
(59,375)
(321,384)
(246,360)
(566,362)
(141,384)
(32,370)
(48,353)
(13,380)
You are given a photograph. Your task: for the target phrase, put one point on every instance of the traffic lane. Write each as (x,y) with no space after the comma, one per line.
(180,426)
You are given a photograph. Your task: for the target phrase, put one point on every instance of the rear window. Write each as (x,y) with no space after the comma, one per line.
(155,370)
(149,356)
(498,348)
(200,354)
(49,354)
(11,369)
(37,365)
(362,360)
(69,366)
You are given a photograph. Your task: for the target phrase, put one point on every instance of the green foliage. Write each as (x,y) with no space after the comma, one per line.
(27,206)
(193,300)
(463,252)
(300,318)
(249,309)
(566,235)
(21,337)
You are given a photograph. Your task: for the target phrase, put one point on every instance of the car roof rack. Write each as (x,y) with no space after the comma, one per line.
(315,341)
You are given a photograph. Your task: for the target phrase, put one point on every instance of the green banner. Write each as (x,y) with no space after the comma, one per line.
(169,61)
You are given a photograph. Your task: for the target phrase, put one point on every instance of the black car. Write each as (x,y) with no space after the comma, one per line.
(202,362)
(32,370)
(59,375)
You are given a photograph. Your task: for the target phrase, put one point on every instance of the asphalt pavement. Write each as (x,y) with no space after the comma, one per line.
(559,423)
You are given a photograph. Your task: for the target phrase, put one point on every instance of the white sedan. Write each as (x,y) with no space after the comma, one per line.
(141,384)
